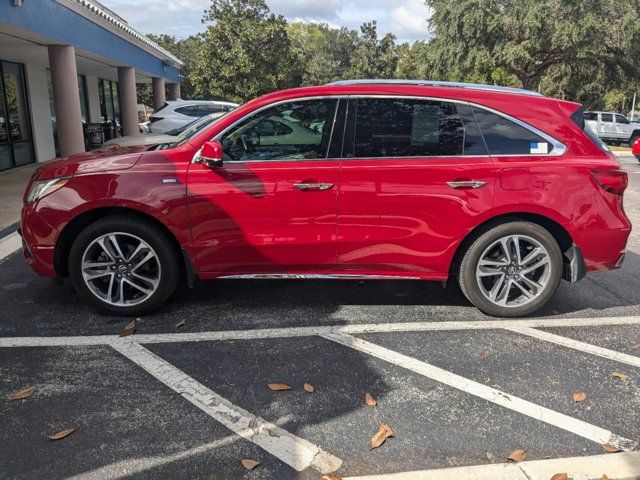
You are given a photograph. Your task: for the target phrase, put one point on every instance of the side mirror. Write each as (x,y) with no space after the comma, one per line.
(211,154)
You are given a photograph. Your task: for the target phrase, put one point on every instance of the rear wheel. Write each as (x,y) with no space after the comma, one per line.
(124,265)
(511,270)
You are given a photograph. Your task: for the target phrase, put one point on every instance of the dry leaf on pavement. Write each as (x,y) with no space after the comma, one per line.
(636,346)
(308,388)
(181,323)
(579,397)
(610,448)
(62,434)
(369,400)
(560,476)
(482,354)
(517,456)
(621,376)
(604,477)
(330,477)
(129,329)
(379,438)
(27,392)
(250,464)
(278,387)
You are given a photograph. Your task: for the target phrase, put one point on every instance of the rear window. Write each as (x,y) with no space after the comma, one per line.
(578,118)
(504,137)
(606,117)
(591,116)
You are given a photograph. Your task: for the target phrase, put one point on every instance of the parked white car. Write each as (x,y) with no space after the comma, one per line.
(172,136)
(612,127)
(178,113)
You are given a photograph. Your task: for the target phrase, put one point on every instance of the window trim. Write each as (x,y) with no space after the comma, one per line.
(559,148)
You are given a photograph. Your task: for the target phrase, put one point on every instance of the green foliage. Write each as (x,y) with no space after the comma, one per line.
(412,61)
(246,52)
(373,57)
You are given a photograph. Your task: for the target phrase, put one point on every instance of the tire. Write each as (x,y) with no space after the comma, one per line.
(156,277)
(479,282)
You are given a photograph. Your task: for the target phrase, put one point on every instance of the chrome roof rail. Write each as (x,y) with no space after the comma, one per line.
(436,83)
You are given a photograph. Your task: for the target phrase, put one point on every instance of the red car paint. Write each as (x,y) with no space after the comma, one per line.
(635,148)
(383,217)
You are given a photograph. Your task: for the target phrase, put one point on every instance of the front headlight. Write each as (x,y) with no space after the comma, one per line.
(40,188)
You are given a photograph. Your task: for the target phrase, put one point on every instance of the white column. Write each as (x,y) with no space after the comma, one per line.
(159,97)
(64,80)
(40,113)
(128,101)
(174,91)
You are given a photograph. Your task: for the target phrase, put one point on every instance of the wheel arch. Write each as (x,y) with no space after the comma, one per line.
(83,220)
(561,235)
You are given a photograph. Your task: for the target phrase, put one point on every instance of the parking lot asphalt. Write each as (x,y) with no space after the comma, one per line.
(458,388)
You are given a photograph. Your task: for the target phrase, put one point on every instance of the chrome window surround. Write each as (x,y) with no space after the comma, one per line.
(559,148)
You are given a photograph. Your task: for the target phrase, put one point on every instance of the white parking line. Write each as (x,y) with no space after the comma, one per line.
(10,244)
(617,465)
(538,412)
(294,451)
(576,345)
(318,330)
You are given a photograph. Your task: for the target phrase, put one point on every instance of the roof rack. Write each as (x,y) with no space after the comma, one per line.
(435,83)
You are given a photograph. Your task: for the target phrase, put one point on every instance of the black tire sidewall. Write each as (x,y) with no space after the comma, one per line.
(154,236)
(467,272)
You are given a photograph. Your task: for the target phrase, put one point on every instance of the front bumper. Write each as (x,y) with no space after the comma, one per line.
(38,244)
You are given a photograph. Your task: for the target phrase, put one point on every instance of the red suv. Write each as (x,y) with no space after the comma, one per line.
(501,190)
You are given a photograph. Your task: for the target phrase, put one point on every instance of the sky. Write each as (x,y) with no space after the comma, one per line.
(407,19)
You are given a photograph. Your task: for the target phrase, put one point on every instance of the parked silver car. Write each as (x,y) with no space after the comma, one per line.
(177,113)
(172,136)
(612,127)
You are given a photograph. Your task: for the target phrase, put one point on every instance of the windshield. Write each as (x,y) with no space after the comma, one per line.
(194,127)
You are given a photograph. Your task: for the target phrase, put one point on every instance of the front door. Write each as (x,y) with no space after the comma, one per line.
(416,174)
(271,207)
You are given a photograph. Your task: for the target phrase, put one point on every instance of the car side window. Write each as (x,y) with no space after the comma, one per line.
(590,116)
(504,137)
(288,131)
(622,119)
(400,127)
(606,117)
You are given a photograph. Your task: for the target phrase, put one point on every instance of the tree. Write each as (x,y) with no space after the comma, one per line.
(246,52)
(530,39)
(412,61)
(324,53)
(374,58)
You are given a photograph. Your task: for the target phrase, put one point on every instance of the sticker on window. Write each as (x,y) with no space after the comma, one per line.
(539,148)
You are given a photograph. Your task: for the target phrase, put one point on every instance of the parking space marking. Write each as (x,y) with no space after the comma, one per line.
(538,412)
(617,465)
(10,244)
(576,345)
(318,330)
(292,450)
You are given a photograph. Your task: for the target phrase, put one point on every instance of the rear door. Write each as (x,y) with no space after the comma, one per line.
(271,207)
(607,127)
(622,127)
(415,176)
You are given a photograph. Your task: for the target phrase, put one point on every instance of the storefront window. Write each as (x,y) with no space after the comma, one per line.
(16,147)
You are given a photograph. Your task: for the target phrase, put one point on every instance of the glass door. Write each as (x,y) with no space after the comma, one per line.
(16,146)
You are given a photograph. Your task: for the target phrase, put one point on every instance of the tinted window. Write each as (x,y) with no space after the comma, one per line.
(590,116)
(473,142)
(406,128)
(607,117)
(504,137)
(622,119)
(186,111)
(202,110)
(296,130)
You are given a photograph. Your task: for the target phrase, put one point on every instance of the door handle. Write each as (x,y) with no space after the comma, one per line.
(313,186)
(467,184)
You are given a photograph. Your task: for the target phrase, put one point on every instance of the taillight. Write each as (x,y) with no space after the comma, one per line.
(613,181)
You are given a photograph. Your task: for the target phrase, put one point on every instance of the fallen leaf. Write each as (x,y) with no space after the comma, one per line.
(369,400)
(517,456)
(278,387)
(62,434)
(610,448)
(27,392)
(604,477)
(330,477)
(636,346)
(181,323)
(250,464)
(379,438)
(560,476)
(308,388)
(621,376)
(129,329)
(482,354)
(579,397)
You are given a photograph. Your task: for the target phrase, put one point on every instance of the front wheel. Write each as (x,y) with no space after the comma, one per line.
(124,265)
(511,270)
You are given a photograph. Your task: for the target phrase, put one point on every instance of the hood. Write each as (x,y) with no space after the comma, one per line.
(146,139)
(105,160)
